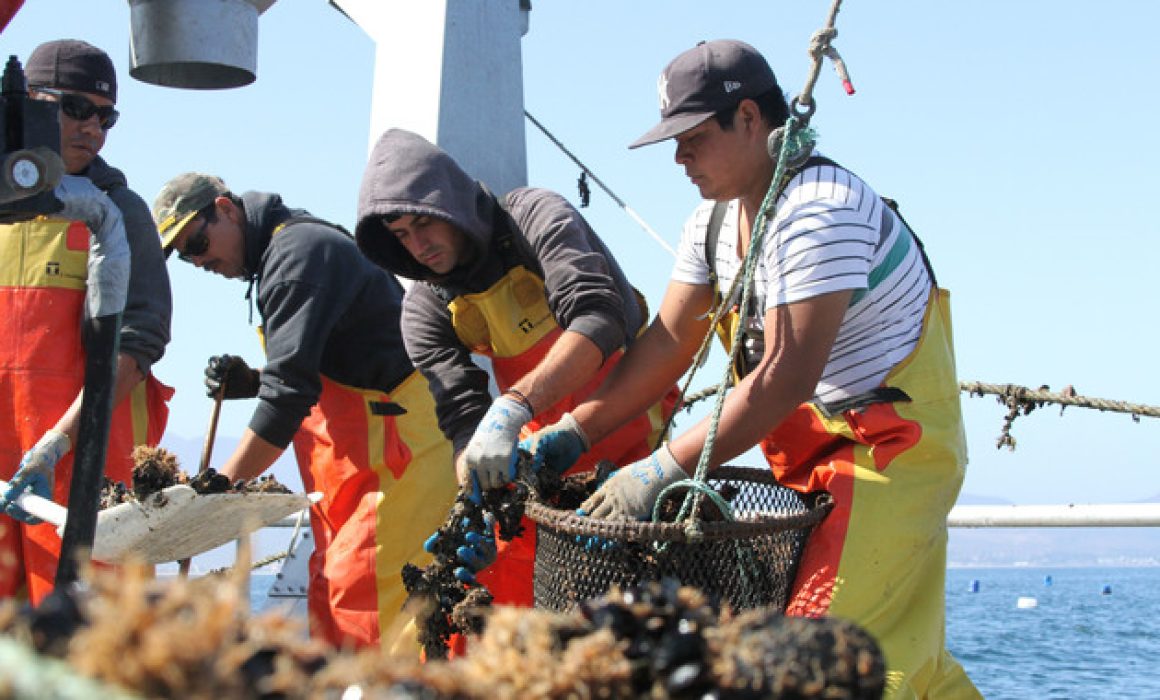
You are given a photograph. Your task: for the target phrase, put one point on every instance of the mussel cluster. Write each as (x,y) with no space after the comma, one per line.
(448,606)
(194,638)
(156,469)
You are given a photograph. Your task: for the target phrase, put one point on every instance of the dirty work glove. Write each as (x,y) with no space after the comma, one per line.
(557,446)
(476,554)
(632,491)
(240,381)
(35,474)
(491,454)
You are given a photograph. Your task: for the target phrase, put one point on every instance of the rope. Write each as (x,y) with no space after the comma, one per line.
(820,47)
(1067,397)
(1020,401)
(587,171)
(795,140)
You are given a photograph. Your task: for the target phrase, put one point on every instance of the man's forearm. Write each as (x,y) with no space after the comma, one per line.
(569,365)
(252,457)
(128,376)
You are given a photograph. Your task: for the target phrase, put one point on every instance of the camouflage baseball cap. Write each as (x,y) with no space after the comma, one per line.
(181,199)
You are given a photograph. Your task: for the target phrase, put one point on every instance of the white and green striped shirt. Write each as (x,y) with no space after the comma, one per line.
(831,233)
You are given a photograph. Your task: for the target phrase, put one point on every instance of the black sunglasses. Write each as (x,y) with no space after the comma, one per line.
(196,244)
(82,108)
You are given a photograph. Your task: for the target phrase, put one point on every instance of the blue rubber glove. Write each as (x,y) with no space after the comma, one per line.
(490,456)
(557,446)
(476,554)
(632,491)
(35,474)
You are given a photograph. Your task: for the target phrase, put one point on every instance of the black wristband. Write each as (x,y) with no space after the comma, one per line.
(522,398)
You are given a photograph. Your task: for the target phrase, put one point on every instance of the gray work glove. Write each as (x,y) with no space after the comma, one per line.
(631,492)
(35,474)
(490,456)
(240,381)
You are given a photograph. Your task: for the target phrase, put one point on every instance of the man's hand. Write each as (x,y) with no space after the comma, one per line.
(490,456)
(632,491)
(476,554)
(557,446)
(35,474)
(240,381)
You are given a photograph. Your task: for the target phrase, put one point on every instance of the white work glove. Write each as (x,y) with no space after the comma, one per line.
(632,491)
(490,456)
(35,474)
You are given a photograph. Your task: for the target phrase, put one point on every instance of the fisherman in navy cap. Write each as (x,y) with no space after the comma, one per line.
(44,266)
(845,378)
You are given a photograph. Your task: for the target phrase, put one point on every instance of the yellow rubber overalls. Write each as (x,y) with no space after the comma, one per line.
(43,276)
(387,480)
(511,323)
(894,470)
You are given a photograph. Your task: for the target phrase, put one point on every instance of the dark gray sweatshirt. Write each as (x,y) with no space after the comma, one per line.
(587,292)
(326,310)
(149,305)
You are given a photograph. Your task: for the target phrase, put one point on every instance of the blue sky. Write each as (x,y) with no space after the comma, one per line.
(1019,139)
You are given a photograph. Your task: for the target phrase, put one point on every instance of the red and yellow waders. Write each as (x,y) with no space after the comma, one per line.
(511,324)
(894,470)
(387,482)
(43,270)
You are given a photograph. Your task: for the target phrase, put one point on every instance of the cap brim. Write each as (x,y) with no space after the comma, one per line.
(670,127)
(168,234)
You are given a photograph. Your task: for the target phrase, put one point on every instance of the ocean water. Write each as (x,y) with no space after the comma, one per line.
(1076,642)
(1093,633)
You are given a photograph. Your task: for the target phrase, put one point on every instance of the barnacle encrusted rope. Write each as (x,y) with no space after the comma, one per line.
(1021,400)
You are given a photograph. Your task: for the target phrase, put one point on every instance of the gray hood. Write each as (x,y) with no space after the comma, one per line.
(407,174)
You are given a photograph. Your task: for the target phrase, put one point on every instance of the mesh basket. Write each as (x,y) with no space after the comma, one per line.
(748,562)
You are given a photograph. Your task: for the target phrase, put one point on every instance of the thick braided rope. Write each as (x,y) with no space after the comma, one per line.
(1022,393)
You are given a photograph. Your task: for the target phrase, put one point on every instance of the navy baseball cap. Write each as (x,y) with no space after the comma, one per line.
(708,78)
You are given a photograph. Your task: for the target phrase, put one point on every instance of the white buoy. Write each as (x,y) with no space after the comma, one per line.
(1025,602)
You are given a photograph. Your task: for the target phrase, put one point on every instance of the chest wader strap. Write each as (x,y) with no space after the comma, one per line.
(386,408)
(881,394)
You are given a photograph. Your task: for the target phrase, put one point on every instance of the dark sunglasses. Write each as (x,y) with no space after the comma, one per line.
(81,108)
(195,245)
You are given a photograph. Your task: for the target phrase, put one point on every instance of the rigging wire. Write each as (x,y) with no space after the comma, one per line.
(588,171)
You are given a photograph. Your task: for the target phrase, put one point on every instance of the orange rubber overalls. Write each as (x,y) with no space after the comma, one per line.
(894,470)
(511,323)
(43,272)
(387,483)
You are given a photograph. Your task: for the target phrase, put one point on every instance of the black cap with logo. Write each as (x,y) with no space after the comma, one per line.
(708,78)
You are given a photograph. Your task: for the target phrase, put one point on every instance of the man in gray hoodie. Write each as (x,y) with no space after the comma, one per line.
(523,280)
(43,273)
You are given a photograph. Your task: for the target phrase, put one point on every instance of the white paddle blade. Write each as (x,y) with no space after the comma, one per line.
(177,523)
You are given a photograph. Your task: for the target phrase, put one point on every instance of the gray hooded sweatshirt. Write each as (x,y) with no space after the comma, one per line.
(586,290)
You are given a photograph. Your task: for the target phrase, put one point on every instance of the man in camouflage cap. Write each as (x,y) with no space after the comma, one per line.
(337,383)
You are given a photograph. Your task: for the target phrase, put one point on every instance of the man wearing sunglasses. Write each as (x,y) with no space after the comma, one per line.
(44,267)
(337,383)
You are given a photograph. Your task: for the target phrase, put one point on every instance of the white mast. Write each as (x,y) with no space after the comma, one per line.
(451,71)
